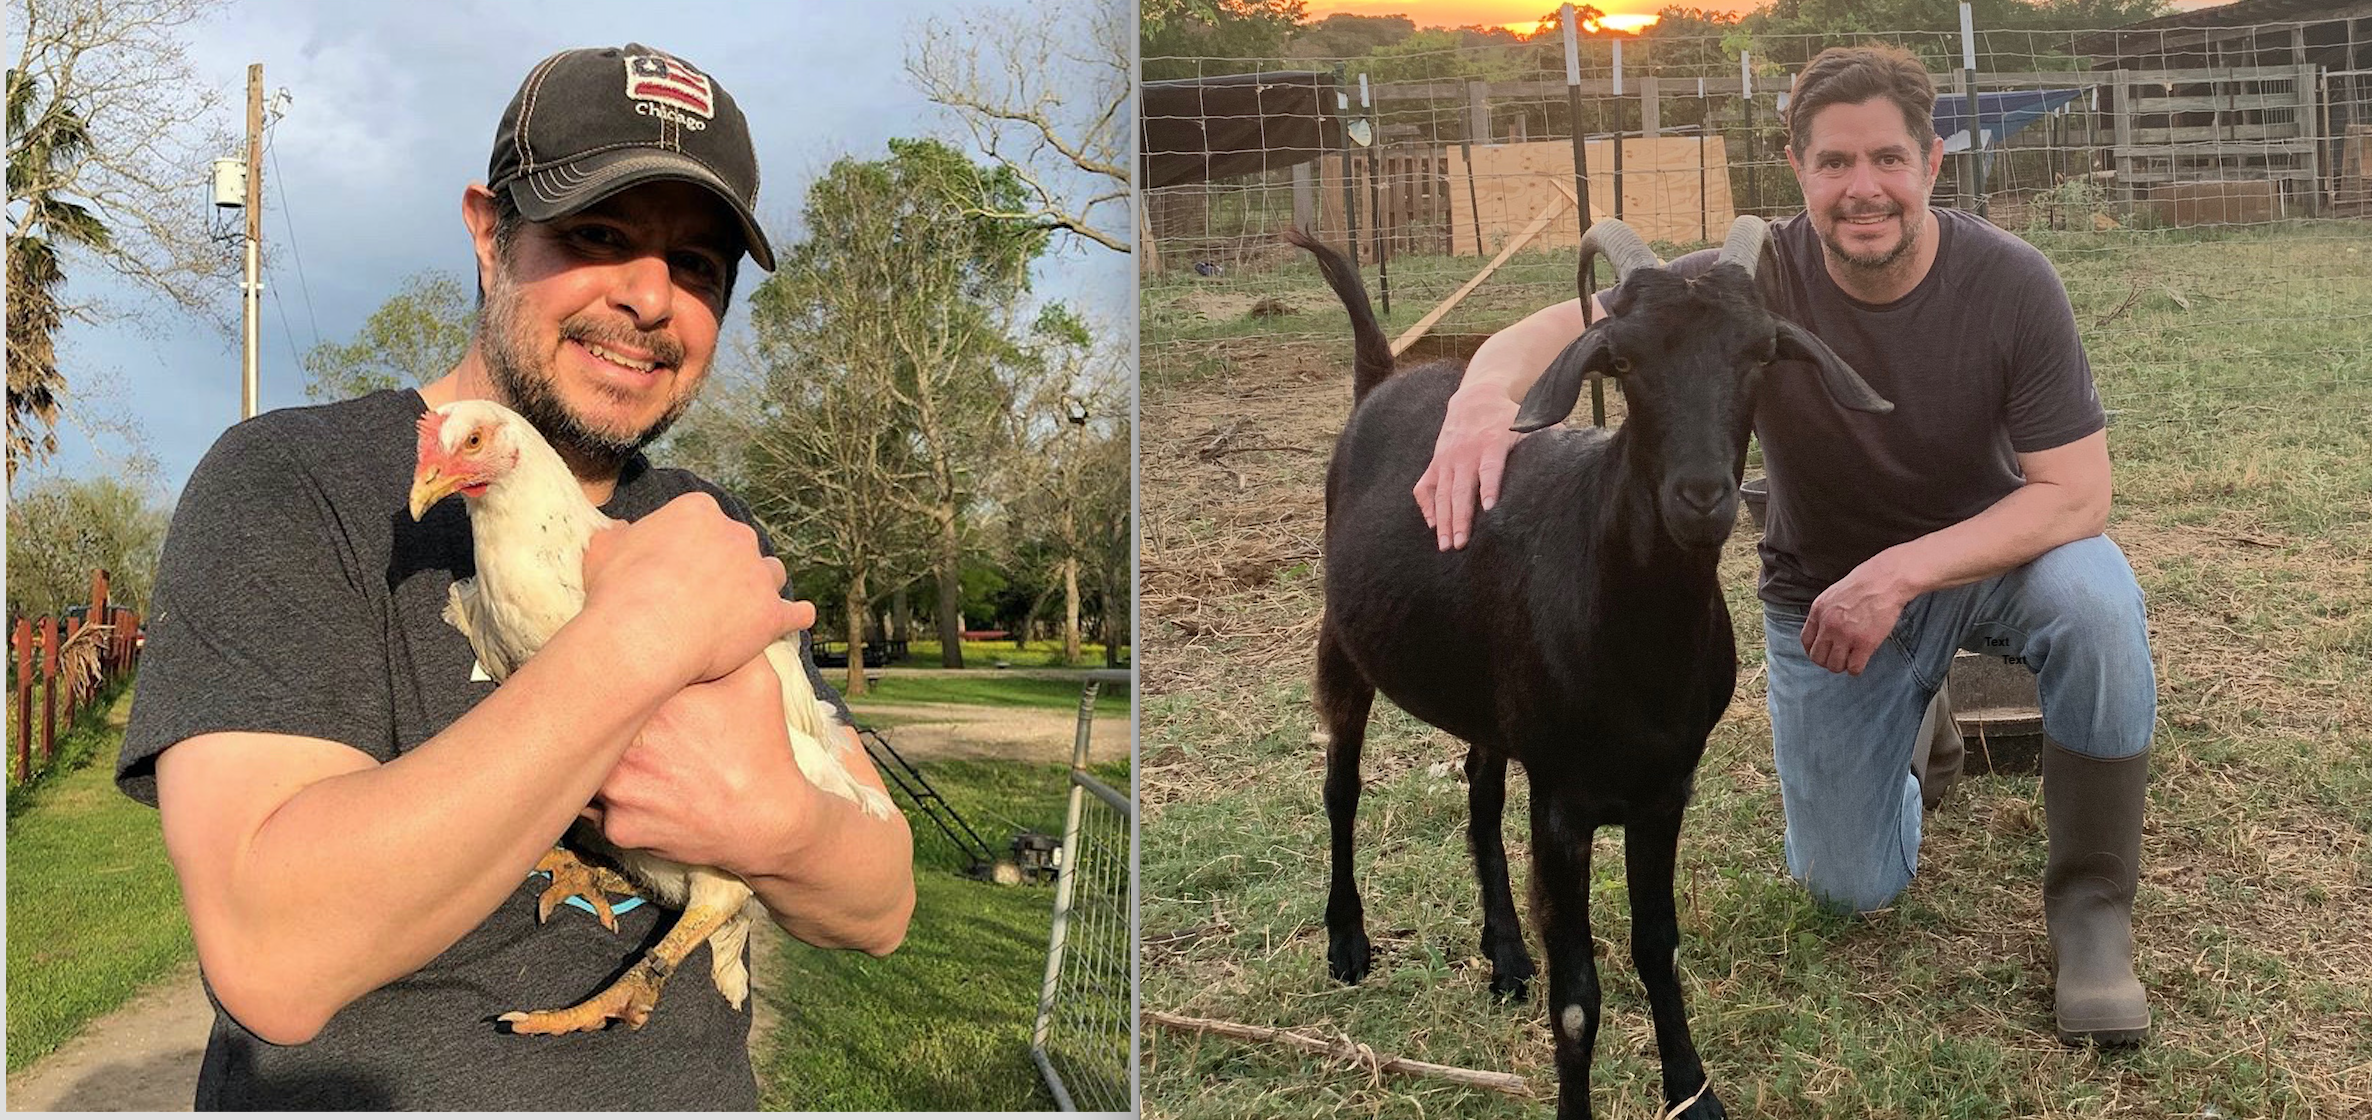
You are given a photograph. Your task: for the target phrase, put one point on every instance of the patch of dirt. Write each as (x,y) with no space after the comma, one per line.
(141,1057)
(928,731)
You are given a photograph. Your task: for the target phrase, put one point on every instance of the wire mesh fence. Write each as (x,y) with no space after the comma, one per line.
(1084,1041)
(2145,160)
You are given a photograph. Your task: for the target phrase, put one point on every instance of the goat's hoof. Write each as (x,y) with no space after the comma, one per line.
(1347,958)
(1511,978)
(1708,1107)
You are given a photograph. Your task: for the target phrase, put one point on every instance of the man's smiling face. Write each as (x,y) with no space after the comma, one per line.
(1866,183)
(600,326)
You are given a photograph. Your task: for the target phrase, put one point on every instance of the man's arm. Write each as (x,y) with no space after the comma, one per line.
(1470,454)
(313,874)
(2065,498)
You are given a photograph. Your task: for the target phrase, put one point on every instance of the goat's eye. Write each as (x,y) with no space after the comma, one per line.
(1621,365)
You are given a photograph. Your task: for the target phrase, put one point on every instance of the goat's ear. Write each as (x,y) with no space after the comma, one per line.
(1844,386)
(1553,396)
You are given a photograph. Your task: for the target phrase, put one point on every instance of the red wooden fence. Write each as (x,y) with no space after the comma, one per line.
(37,647)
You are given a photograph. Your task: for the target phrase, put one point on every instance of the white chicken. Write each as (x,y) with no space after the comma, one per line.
(530,523)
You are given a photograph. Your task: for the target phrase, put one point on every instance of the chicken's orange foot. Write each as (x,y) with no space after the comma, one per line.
(574,878)
(627,1001)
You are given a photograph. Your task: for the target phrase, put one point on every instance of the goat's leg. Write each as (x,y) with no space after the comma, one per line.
(1649,849)
(1561,909)
(1502,931)
(1343,698)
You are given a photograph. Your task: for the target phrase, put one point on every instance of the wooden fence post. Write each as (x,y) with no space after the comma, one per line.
(49,688)
(73,626)
(23,640)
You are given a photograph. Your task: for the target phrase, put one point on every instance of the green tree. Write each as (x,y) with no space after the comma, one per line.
(888,336)
(60,529)
(1182,38)
(108,133)
(415,337)
(39,145)
(1346,35)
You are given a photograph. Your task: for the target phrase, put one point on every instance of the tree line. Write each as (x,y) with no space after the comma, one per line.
(1684,41)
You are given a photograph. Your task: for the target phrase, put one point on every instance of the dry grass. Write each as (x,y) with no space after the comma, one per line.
(2245,502)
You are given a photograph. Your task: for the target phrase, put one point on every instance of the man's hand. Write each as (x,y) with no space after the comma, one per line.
(1470,455)
(709,767)
(1469,458)
(1848,620)
(688,583)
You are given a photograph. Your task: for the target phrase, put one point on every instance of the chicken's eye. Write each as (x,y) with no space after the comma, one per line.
(471,444)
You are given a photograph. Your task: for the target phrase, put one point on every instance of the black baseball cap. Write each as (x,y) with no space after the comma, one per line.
(589,123)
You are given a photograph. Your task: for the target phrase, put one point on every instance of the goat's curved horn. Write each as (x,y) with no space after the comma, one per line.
(1744,247)
(1620,244)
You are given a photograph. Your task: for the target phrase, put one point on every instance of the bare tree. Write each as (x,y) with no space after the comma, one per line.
(1059,501)
(1048,97)
(109,134)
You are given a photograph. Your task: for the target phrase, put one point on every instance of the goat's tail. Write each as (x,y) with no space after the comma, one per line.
(1374,361)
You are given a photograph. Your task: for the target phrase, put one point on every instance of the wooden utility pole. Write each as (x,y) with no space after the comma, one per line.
(251,290)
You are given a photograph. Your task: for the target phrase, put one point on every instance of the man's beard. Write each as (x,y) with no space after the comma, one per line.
(1881,263)
(524,377)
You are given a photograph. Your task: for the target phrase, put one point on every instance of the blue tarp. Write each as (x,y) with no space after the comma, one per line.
(2000,115)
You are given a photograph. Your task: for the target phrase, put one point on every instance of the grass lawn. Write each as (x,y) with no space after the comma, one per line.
(944,1022)
(2237,362)
(923,653)
(990,689)
(94,913)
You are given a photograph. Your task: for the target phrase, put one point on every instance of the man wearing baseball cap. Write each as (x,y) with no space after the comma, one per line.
(355,814)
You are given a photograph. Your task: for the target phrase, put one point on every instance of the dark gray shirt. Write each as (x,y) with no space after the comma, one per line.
(1982,362)
(296,595)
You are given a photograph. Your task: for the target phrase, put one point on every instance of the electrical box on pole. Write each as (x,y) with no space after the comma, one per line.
(230,183)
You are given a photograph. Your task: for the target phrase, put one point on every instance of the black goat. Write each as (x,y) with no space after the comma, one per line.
(1582,630)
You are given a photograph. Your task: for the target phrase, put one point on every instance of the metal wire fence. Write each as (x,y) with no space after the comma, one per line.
(1084,1041)
(2134,156)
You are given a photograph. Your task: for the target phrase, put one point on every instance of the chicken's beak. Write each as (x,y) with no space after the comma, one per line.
(429,487)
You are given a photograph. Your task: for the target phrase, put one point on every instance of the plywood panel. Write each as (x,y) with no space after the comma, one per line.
(1661,196)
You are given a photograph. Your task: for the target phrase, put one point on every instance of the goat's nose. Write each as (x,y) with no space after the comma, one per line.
(1703,496)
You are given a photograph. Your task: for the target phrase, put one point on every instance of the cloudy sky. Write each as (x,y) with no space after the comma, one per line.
(391,112)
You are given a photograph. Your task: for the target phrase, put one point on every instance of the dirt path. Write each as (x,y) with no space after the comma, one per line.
(928,731)
(144,1055)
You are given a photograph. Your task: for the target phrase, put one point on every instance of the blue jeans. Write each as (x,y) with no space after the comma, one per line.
(1843,743)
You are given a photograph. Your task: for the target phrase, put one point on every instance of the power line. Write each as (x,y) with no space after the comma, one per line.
(293,250)
(285,330)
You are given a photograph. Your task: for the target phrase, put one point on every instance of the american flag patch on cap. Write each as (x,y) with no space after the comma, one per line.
(656,77)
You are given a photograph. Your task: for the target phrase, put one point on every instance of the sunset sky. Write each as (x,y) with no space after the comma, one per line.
(1521,15)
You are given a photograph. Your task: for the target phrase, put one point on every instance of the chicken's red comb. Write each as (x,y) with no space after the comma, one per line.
(432,425)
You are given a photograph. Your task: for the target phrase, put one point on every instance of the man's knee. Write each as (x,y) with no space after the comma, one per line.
(1842,889)
(2087,589)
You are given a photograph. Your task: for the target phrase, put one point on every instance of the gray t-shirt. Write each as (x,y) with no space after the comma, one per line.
(296,595)
(1982,362)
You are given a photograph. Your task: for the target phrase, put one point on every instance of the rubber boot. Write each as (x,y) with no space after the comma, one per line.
(1937,757)
(2092,808)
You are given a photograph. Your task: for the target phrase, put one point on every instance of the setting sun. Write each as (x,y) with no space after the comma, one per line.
(1632,22)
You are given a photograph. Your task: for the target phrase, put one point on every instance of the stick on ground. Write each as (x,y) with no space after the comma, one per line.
(1342,1047)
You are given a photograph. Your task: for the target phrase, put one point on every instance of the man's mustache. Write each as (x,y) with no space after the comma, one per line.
(610,334)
